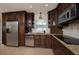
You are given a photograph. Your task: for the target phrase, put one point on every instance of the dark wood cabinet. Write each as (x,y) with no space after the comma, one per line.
(52,18)
(60,49)
(53,22)
(48,41)
(14,16)
(63,13)
(56,30)
(43,41)
(3,29)
(36,41)
(68,14)
(29,22)
(21,19)
(11,16)
(63,6)
(54,14)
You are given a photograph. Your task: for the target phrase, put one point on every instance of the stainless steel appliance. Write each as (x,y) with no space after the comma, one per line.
(29,41)
(12,33)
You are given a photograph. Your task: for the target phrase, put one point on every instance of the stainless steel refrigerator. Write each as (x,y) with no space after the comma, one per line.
(12,33)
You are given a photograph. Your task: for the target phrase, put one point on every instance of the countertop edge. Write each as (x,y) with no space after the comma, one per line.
(66,45)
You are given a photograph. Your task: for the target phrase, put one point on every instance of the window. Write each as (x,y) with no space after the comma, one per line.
(41,25)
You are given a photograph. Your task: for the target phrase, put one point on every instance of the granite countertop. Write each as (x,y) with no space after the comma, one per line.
(73,48)
(40,34)
(37,33)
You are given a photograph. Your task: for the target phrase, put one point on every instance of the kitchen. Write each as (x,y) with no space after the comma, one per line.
(43,29)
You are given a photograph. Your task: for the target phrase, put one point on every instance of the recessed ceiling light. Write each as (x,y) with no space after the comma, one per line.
(30,6)
(46,5)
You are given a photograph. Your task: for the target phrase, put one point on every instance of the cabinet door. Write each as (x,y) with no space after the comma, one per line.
(11,16)
(4,29)
(43,41)
(48,41)
(36,41)
(42,38)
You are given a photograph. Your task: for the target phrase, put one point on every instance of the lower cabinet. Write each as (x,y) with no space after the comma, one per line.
(59,48)
(36,41)
(48,41)
(43,41)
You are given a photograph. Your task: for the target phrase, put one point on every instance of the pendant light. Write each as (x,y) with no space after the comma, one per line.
(40,17)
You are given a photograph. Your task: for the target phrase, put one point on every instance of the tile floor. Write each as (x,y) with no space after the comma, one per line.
(4,50)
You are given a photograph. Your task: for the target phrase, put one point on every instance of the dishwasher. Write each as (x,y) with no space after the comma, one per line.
(29,41)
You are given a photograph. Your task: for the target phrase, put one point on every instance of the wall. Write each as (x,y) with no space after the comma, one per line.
(72,29)
(0,28)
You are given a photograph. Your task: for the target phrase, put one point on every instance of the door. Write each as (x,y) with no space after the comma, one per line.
(12,33)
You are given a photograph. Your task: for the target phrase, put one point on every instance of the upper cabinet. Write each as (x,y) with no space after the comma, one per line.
(30,19)
(13,16)
(68,13)
(29,22)
(64,13)
(53,22)
(52,18)
(62,7)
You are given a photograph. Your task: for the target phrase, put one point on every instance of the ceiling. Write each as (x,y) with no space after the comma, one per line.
(29,7)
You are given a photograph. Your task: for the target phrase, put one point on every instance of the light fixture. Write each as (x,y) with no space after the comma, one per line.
(30,6)
(54,23)
(46,5)
(40,17)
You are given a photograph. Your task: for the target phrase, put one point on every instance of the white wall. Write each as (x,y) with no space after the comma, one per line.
(72,29)
(0,28)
